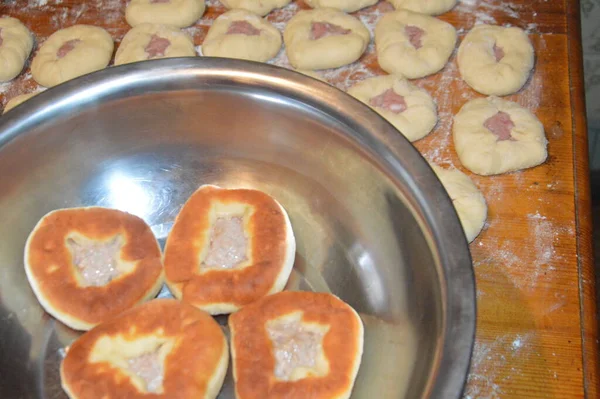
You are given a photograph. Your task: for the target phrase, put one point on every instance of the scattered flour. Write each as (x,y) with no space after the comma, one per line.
(490,363)
(486,11)
(214,3)
(4,87)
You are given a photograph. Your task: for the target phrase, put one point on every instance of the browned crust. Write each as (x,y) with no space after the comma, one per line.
(60,289)
(189,366)
(267,227)
(583,219)
(254,361)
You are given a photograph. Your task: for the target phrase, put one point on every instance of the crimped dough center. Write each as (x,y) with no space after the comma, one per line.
(297,348)
(149,368)
(142,359)
(228,243)
(96,262)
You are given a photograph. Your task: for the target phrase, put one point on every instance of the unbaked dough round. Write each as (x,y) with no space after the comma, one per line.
(413,45)
(409,108)
(242,34)
(151,41)
(16,42)
(258,7)
(71,52)
(342,5)
(431,7)
(324,38)
(494,136)
(18,100)
(468,201)
(495,60)
(312,74)
(177,13)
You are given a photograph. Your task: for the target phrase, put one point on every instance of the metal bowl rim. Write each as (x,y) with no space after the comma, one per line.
(385,141)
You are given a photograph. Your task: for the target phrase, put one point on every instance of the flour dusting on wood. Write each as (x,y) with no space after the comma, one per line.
(496,361)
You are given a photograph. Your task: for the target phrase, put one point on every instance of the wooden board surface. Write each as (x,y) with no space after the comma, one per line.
(536,331)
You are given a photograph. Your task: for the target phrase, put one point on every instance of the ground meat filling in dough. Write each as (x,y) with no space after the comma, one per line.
(415,35)
(294,346)
(498,53)
(149,368)
(67,47)
(228,244)
(319,30)
(96,262)
(157,46)
(501,125)
(389,100)
(242,27)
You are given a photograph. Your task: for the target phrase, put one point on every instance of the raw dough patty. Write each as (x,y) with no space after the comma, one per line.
(71,52)
(410,109)
(413,45)
(177,13)
(495,60)
(16,42)
(258,7)
(431,7)
(468,201)
(312,74)
(241,34)
(150,41)
(87,265)
(324,38)
(229,248)
(342,5)
(18,100)
(163,348)
(494,136)
(294,343)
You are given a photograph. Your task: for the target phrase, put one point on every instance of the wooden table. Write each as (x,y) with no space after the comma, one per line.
(536,332)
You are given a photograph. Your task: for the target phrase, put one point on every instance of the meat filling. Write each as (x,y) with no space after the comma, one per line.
(294,346)
(157,46)
(228,244)
(319,30)
(149,368)
(498,53)
(386,6)
(67,47)
(96,262)
(1,40)
(501,125)
(389,100)
(415,35)
(242,27)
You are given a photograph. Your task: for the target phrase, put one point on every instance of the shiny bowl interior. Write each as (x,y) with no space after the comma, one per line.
(373,224)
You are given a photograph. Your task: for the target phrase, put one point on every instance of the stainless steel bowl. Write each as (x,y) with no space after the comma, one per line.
(373,224)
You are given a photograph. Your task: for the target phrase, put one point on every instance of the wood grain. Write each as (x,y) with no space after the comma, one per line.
(589,323)
(536,331)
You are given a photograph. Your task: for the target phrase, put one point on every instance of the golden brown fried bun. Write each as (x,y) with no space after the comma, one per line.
(228,248)
(296,345)
(86,265)
(161,349)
